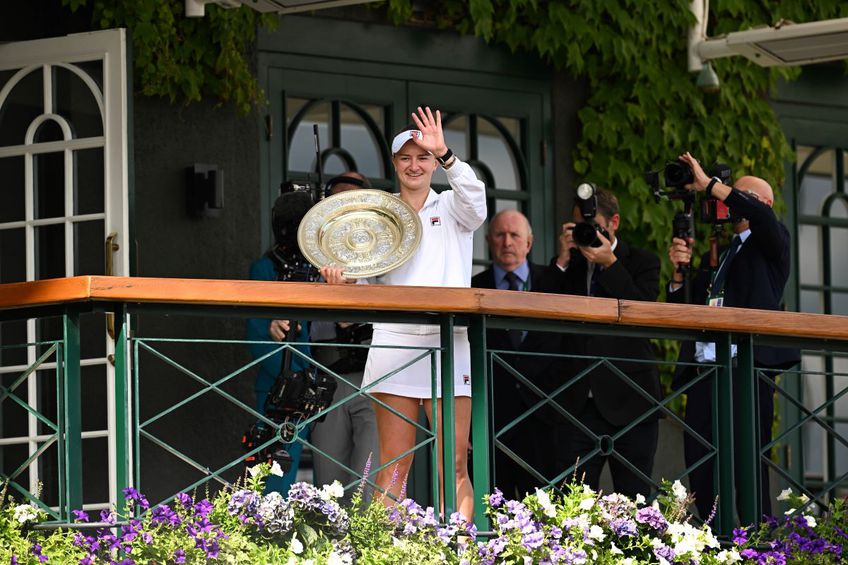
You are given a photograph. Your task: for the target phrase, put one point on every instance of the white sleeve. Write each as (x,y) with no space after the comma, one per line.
(468,202)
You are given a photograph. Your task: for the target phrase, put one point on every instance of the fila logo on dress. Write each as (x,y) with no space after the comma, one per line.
(435,221)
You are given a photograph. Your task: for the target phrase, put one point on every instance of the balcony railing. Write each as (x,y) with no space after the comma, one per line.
(59,429)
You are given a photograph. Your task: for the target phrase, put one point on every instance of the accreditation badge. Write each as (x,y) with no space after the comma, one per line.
(718,301)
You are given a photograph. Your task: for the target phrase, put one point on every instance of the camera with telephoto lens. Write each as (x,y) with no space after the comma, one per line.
(585,233)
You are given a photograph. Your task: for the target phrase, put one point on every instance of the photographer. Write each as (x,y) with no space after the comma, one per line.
(595,262)
(751,273)
(282,262)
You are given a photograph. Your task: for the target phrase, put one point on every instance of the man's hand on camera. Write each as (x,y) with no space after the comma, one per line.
(566,244)
(679,253)
(335,275)
(278,329)
(602,255)
(701,178)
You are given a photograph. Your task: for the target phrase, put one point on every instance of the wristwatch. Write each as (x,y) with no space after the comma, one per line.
(445,158)
(710,185)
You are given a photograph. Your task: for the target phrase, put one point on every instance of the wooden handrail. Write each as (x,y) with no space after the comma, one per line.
(418,299)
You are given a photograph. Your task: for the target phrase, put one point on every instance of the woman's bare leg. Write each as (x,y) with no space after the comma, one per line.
(395,437)
(462,425)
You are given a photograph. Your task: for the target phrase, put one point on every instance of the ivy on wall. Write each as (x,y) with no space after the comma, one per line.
(187,59)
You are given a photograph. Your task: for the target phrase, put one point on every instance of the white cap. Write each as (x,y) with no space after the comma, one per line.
(403,137)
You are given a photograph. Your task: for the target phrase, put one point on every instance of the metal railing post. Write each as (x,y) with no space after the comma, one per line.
(723,437)
(749,450)
(122,404)
(480,424)
(448,416)
(72,413)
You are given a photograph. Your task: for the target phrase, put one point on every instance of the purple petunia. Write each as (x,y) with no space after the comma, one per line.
(496,498)
(653,518)
(664,552)
(533,540)
(80,515)
(623,527)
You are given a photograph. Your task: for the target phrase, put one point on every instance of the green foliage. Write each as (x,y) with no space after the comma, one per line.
(183,58)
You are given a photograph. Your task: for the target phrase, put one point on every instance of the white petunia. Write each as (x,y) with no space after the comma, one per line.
(785,494)
(255,470)
(546,504)
(336,559)
(296,546)
(26,513)
(587,503)
(678,490)
(640,499)
(276,469)
(729,556)
(596,532)
(614,550)
(811,522)
(334,490)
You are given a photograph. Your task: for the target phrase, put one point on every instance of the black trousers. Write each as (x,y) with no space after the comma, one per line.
(638,446)
(699,418)
(532,440)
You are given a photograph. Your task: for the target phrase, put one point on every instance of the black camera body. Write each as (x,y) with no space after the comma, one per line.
(677,174)
(298,395)
(585,233)
(295,397)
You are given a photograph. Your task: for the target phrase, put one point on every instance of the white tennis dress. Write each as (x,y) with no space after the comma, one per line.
(443,259)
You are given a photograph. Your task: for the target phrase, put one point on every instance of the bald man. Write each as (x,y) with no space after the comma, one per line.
(510,239)
(751,273)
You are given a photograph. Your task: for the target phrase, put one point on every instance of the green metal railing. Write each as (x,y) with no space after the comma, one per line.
(134,426)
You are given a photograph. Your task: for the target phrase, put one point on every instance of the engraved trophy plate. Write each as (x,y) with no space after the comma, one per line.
(368,232)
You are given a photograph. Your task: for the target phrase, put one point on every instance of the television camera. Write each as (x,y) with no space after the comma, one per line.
(299,395)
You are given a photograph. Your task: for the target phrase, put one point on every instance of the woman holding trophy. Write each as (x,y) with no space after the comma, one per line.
(443,258)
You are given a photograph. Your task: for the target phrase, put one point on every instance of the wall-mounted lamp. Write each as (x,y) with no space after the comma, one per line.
(707,78)
(204,191)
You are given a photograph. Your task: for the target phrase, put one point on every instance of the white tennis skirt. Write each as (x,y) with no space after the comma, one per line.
(415,380)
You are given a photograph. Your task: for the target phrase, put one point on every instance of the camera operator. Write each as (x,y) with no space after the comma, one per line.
(279,263)
(596,264)
(349,433)
(751,273)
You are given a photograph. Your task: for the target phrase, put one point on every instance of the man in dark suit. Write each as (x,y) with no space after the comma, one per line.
(510,239)
(602,400)
(751,273)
